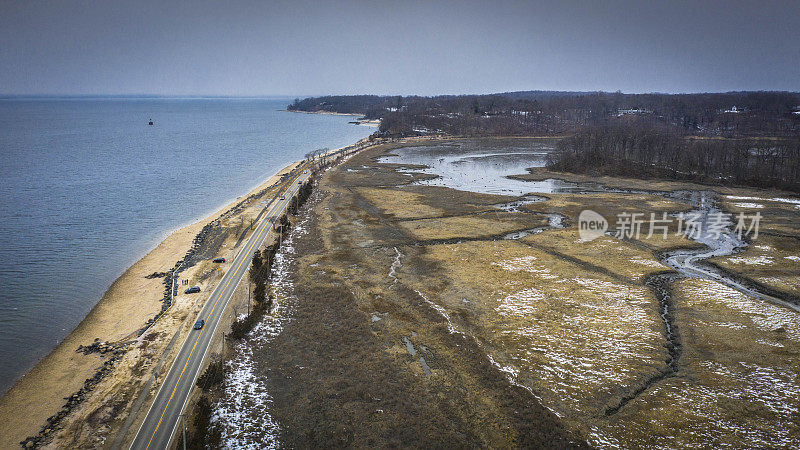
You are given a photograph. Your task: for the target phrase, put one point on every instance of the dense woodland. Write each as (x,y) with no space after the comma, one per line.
(644,152)
(743,138)
(732,114)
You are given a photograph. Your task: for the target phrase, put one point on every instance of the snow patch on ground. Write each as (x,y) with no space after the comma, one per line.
(647,262)
(731,325)
(520,303)
(450,327)
(788,282)
(526,264)
(243,413)
(737,197)
(775,388)
(766,316)
(510,372)
(748,205)
(395,265)
(585,340)
(751,260)
(793,201)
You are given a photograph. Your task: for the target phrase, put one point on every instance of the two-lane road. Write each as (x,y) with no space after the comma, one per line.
(163,416)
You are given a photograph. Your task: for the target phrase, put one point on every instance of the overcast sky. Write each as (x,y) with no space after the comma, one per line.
(401,47)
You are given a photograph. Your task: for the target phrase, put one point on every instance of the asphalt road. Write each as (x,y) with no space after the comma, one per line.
(163,417)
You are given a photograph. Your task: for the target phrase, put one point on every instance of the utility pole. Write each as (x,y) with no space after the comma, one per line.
(224,346)
(248,296)
(183,422)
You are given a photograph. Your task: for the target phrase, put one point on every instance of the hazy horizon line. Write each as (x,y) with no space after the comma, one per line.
(291,96)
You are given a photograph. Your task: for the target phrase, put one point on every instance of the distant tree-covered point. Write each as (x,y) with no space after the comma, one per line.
(744,138)
(730,114)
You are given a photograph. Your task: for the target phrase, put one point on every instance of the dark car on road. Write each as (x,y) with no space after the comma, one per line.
(199,324)
(219,260)
(192,290)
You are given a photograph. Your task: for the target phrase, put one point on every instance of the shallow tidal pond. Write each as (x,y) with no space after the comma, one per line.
(474,167)
(436,302)
(705,358)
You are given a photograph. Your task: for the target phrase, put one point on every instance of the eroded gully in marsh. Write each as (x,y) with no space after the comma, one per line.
(488,172)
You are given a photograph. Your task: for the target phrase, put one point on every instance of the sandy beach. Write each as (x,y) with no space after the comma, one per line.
(364,122)
(124,309)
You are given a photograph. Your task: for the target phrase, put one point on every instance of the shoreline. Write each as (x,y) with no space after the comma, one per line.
(130,303)
(41,390)
(149,247)
(363,123)
(329,113)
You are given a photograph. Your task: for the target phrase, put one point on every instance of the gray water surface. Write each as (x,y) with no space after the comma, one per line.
(476,166)
(484,167)
(88,188)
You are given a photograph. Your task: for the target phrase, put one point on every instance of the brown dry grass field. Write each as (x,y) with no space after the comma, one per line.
(416,324)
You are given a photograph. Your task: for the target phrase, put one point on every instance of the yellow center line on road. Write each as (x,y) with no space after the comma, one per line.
(188,358)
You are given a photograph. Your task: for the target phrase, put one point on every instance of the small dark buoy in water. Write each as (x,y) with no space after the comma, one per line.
(151,122)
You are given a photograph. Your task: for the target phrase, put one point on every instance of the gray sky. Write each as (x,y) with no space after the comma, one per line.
(402,47)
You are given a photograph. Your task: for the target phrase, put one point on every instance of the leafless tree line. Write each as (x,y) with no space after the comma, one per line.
(660,153)
(731,114)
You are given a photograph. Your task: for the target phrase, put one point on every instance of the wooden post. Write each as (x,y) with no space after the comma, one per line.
(183,422)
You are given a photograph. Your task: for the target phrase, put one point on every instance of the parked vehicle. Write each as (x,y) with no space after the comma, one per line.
(199,324)
(219,260)
(192,290)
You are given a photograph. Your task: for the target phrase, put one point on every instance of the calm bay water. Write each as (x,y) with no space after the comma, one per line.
(88,188)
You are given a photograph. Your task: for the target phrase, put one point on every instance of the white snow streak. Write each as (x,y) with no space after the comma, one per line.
(244,411)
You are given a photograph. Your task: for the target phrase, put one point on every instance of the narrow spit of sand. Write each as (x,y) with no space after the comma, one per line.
(125,307)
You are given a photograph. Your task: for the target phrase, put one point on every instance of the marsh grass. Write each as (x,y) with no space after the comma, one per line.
(529,341)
